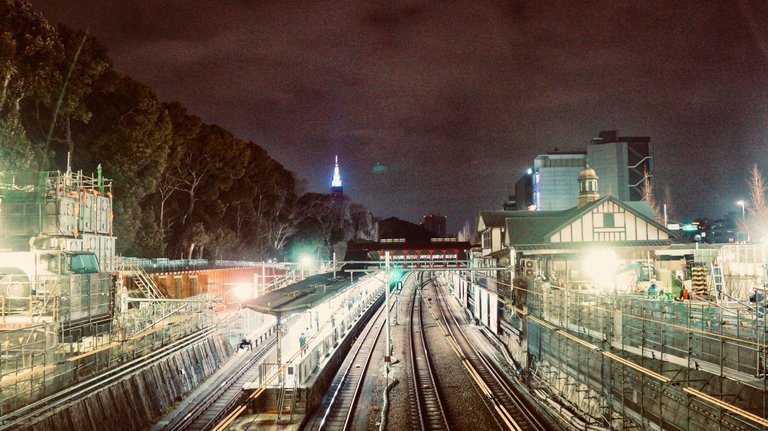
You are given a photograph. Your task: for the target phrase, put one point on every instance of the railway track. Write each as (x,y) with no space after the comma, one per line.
(424,397)
(510,408)
(340,412)
(72,394)
(210,406)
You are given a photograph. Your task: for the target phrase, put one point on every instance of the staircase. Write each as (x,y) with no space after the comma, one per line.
(142,280)
(718,282)
(288,396)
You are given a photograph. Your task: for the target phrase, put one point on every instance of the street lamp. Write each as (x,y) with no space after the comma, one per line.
(743,212)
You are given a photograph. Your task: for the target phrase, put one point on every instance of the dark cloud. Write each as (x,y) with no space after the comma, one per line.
(456,98)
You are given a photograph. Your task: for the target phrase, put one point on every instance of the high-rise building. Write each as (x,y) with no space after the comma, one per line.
(555,180)
(435,224)
(336,187)
(523,197)
(622,163)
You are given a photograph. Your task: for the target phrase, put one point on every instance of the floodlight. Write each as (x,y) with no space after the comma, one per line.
(600,266)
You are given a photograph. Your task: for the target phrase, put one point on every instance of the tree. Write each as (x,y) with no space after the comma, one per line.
(149,236)
(16,151)
(129,135)
(264,203)
(364,225)
(758,213)
(648,194)
(220,241)
(77,71)
(29,49)
(197,238)
(325,221)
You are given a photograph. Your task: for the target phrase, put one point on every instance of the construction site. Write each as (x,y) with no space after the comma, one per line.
(610,358)
(70,309)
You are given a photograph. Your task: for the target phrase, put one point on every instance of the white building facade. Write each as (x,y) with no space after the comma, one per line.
(555,184)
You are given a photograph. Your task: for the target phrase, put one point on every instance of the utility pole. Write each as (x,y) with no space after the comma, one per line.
(386,296)
(279,350)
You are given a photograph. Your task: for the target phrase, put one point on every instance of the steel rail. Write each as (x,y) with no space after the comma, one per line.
(353,376)
(425,393)
(186,420)
(505,401)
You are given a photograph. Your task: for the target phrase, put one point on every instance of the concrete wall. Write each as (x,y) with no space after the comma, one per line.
(138,401)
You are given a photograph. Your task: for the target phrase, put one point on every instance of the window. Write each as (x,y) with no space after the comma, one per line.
(83,264)
(487,238)
(608,220)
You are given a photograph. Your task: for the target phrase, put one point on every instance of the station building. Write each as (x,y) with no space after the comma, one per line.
(573,311)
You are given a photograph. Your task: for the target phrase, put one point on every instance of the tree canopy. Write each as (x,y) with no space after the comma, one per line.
(182,188)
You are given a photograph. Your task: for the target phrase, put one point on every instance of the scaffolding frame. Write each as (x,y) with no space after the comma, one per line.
(41,359)
(627,361)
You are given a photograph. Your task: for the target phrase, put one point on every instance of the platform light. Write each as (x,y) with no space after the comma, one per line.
(306,261)
(242,290)
(600,266)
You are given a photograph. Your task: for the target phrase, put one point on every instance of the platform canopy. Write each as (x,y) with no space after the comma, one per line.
(300,296)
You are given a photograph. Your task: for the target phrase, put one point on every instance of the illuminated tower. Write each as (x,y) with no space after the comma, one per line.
(336,188)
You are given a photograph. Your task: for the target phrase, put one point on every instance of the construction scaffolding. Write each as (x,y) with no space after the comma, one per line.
(634,362)
(733,271)
(57,210)
(63,316)
(37,363)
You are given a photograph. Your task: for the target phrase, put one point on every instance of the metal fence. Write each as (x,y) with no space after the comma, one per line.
(632,361)
(42,359)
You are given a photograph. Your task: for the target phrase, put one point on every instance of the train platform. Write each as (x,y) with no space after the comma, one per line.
(312,346)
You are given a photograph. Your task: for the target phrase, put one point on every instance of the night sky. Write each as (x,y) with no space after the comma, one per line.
(440,106)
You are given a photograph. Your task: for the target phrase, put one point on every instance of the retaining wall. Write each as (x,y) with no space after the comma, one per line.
(136,402)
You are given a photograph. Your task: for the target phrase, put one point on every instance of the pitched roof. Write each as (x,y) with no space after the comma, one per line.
(652,243)
(537,226)
(533,229)
(495,218)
